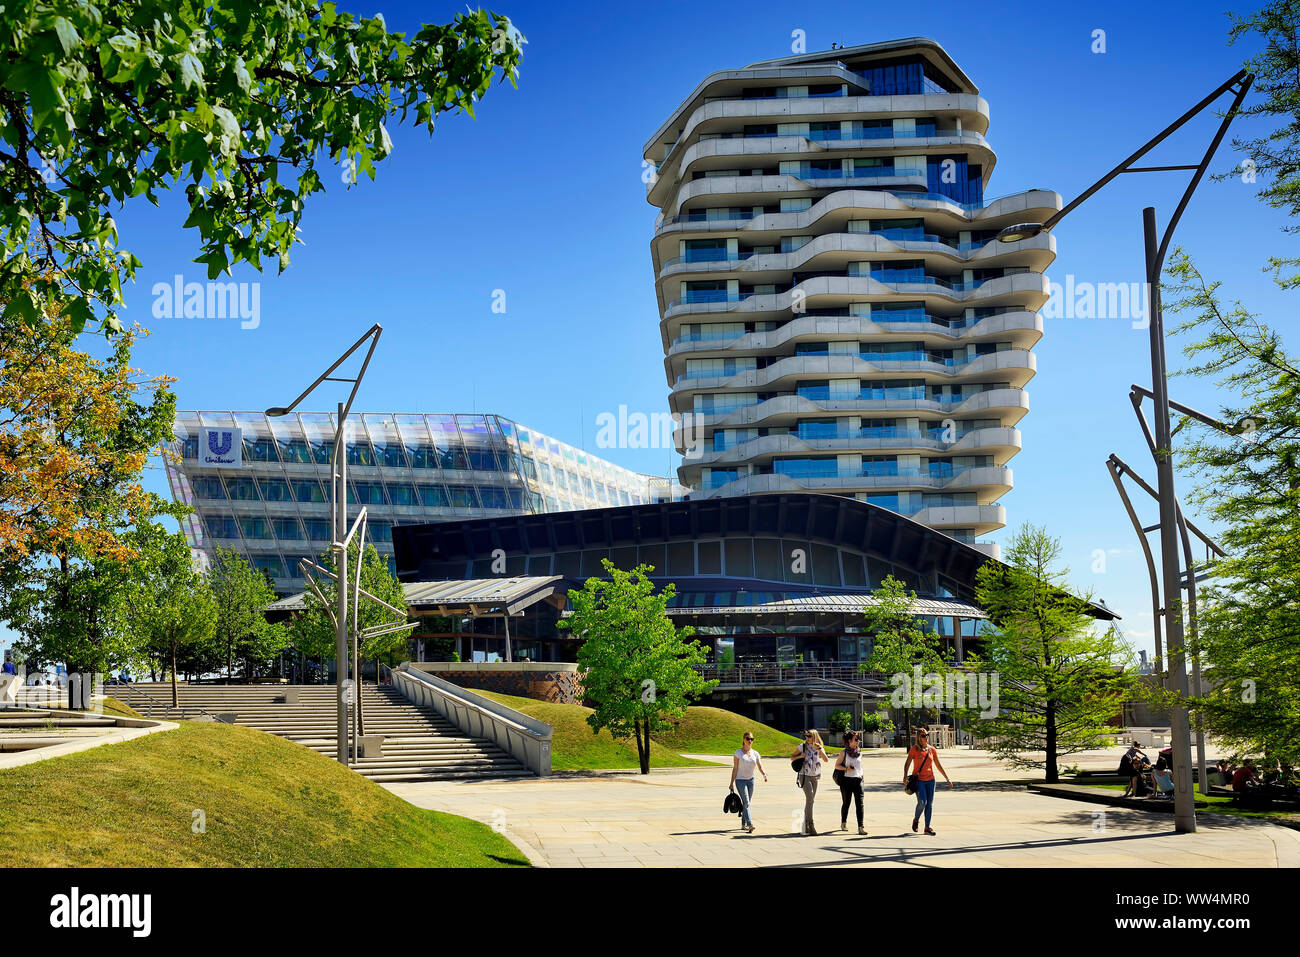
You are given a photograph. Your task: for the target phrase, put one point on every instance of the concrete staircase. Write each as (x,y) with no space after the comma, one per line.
(419,744)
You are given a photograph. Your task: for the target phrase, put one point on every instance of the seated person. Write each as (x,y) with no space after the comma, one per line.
(1222,774)
(1164,783)
(1245,778)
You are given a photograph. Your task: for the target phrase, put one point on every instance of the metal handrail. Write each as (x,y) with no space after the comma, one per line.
(133,689)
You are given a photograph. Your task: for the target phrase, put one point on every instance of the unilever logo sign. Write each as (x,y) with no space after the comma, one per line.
(221,447)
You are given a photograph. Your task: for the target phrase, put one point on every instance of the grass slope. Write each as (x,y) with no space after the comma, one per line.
(575,748)
(715,731)
(119,709)
(268,803)
(702,731)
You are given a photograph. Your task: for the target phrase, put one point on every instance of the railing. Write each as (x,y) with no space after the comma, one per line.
(525,739)
(166,708)
(783,672)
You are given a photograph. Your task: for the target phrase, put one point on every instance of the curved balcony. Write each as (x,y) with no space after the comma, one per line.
(724,115)
(1001,443)
(1017,365)
(1021,327)
(1032,289)
(839,248)
(1009,404)
(767,149)
(843,205)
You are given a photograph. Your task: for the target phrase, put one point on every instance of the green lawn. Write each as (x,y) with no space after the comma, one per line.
(119,709)
(715,731)
(1216,803)
(268,803)
(575,748)
(702,731)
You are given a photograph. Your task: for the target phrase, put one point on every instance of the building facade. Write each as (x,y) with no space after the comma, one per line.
(260,485)
(837,314)
(775,586)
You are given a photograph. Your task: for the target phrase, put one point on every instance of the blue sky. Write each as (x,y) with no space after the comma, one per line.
(542,197)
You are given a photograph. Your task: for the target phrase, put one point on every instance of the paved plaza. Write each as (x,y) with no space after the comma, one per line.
(673,818)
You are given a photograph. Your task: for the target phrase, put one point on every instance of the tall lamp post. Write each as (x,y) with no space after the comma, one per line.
(339,493)
(1171,575)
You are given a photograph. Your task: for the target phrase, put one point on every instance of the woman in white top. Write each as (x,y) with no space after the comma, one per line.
(743,764)
(813,753)
(848,775)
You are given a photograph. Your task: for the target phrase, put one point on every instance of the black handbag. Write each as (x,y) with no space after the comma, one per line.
(732,804)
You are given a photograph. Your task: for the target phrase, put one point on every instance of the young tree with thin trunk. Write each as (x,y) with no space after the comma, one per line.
(638,667)
(1060,680)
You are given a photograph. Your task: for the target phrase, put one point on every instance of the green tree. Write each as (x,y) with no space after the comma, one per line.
(241,594)
(638,668)
(1248,481)
(170,605)
(1059,681)
(1272,158)
(312,630)
(110,102)
(899,640)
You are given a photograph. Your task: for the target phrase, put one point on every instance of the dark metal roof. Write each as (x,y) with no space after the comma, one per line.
(816,517)
(489,597)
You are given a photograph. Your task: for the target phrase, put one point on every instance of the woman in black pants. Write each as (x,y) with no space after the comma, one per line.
(848,775)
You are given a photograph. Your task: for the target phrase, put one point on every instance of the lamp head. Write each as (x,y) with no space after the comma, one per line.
(276,411)
(1014,234)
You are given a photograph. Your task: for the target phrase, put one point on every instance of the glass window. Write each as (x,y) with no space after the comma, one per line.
(655,555)
(740,558)
(768,560)
(432,496)
(360,453)
(253,527)
(493,496)
(318,529)
(710,558)
(681,559)
(242,489)
(274,490)
(462,496)
(287,529)
(295,451)
(222,526)
(207,486)
(402,494)
(269,563)
(307,490)
(366,493)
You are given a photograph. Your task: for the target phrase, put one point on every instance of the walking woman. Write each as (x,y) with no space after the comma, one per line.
(813,753)
(925,759)
(848,774)
(743,764)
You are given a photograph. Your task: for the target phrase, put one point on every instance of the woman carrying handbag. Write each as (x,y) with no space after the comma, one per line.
(848,775)
(812,754)
(921,782)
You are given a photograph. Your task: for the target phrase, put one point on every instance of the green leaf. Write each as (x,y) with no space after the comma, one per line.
(191,70)
(69,39)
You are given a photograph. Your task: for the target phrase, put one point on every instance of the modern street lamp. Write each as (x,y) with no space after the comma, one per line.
(1170,514)
(339,491)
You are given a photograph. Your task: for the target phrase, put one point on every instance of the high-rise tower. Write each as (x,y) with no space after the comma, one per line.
(837,313)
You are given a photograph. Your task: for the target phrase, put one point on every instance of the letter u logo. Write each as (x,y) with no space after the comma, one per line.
(219,446)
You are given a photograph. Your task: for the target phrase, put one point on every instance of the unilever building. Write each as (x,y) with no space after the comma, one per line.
(260,485)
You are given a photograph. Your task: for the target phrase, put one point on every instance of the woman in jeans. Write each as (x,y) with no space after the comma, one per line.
(813,753)
(743,764)
(850,762)
(925,759)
